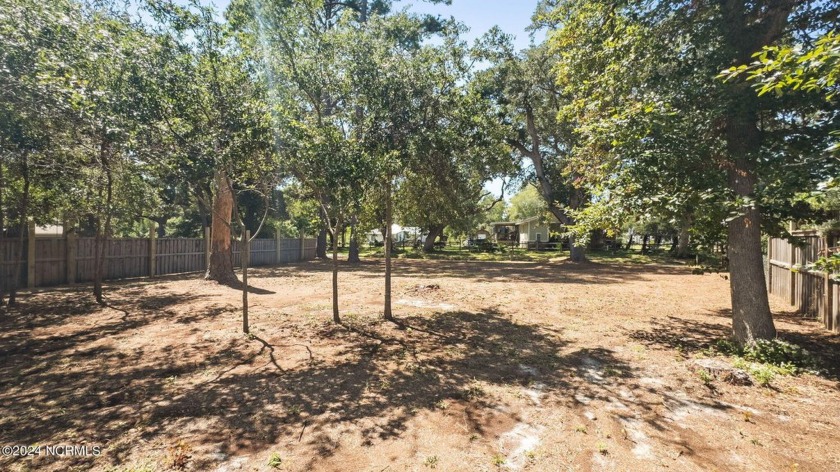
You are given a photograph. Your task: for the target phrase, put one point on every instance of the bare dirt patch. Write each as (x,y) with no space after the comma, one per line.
(494,365)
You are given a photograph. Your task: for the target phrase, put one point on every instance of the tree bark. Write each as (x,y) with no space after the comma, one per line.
(246,261)
(434,232)
(2,228)
(336,316)
(353,254)
(577,253)
(751,317)
(220,267)
(683,240)
(321,244)
(24,223)
(630,240)
(388,223)
(102,234)
(645,243)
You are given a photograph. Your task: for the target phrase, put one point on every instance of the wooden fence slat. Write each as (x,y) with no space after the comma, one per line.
(813,293)
(71,259)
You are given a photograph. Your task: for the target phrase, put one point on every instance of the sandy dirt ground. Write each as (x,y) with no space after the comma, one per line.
(493,366)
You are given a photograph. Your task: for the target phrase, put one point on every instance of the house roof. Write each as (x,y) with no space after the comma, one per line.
(523,221)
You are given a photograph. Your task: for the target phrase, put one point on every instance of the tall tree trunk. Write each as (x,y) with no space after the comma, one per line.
(161,226)
(220,268)
(353,254)
(434,232)
(645,243)
(751,317)
(246,261)
(17,272)
(336,316)
(683,239)
(321,244)
(577,252)
(2,228)
(630,240)
(388,223)
(103,233)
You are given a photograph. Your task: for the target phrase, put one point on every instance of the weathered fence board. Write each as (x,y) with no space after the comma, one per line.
(8,257)
(56,257)
(813,293)
(178,255)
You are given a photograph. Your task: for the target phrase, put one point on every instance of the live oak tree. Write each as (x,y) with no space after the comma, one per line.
(636,61)
(212,117)
(524,89)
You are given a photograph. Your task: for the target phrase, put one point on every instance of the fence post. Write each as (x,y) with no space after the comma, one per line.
(30,256)
(827,314)
(770,265)
(206,248)
(71,245)
(792,275)
(153,251)
(302,247)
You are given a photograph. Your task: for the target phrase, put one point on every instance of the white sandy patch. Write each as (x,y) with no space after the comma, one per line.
(642,448)
(517,442)
(592,370)
(425,304)
(682,407)
(535,392)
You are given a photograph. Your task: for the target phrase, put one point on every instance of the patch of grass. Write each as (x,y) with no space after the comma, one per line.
(580,429)
(705,376)
(144,467)
(611,372)
(441,404)
(602,448)
(474,391)
(765,359)
(431,462)
(275,461)
(499,460)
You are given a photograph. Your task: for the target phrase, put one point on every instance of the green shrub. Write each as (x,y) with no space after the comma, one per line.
(782,354)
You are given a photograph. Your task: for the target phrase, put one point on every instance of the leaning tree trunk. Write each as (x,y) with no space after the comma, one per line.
(630,240)
(220,267)
(434,232)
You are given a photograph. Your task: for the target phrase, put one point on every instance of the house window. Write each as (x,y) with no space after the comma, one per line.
(539,237)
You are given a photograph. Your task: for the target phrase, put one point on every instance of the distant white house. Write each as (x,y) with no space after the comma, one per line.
(407,234)
(526,233)
(49,230)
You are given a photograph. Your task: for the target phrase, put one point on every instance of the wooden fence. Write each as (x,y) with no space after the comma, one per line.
(50,261)
(812,292)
